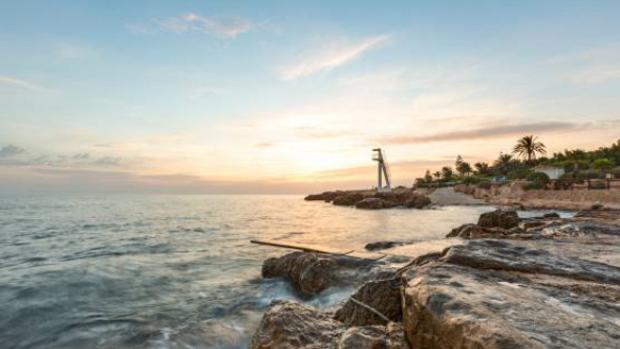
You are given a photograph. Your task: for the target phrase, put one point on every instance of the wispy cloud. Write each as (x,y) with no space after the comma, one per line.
(10,150)
(332,57)
(483,133)
(192,22)
(12,81)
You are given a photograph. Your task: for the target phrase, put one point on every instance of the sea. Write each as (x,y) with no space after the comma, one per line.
(166,271)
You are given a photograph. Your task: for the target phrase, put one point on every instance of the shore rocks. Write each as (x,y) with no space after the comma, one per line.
(496,294)
(499,218)
(308,273)
(374,204)
(373,200)
(382,296)
(288,324)
(381,245)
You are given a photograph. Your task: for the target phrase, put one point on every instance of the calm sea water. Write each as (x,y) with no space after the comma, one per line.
(168,271)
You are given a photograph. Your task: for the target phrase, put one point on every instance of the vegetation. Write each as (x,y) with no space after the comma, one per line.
(579,165)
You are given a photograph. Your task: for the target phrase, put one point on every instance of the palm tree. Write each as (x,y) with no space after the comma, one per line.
(437,175)
(482,168)
(504,163)
(528,146)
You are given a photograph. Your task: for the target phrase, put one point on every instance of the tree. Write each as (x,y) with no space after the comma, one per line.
(437,175)
(602,164)
(427,176)
(504,163)
(447,173)
(482,168)
(528,146)
(463,168)
(459,160)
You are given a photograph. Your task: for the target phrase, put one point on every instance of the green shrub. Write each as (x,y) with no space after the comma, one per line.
(592,174)
(472,180)
(539,178)
(520,173)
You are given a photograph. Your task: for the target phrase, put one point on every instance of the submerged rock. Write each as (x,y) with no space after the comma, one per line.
(499,218)
(381,245)
(309,273)
(382,296)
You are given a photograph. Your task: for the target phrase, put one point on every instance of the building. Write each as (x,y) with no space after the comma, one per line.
(553,172)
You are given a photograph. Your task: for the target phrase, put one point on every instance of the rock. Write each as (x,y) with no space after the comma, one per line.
(417,201)
(474,231)
(288,324)
(495,294)
(552,215)
(348,199)
(374,204)
(381,295)
(396,336)
(466,230)
(381,245)
(499,218)
(308,273)
(366,337)
(597,206)
(533,224)
(502,255)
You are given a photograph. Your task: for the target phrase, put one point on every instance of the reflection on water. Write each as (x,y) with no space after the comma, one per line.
(169,271)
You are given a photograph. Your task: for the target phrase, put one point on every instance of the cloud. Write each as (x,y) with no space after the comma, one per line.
(10,150)
(12,81)
(192,22)
(484,132)
(332,57)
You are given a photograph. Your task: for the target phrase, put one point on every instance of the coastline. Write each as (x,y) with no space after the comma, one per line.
(495,284)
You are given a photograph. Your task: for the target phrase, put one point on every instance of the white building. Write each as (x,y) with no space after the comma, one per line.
(552,171)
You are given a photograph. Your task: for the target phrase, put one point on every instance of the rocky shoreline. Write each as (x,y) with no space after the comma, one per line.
(372,199)
(505,282)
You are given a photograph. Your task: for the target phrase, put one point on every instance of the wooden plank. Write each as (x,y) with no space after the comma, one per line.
(322,249)
(301,247)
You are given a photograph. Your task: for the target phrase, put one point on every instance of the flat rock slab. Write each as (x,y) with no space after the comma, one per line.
(494,294)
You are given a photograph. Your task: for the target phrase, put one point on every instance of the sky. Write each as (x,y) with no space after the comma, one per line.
(291,96)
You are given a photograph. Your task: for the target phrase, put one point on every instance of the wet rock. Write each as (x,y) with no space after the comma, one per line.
(381,245)
(288,324)
(348,199)
(533,224)
(417,201)
(366,337)
(494,294)
(474,231)
(381,295)
(309,273)
(374,204)
(499,218)
(551,215)
(503,255)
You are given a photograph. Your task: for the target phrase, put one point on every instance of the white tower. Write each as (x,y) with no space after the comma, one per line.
(383,170)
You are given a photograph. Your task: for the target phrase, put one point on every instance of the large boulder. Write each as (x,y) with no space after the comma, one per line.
(499,219)
(288,324)
(382,296)
(309,273)
(417,201)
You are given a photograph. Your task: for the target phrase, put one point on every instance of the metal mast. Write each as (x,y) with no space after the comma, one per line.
(383,170)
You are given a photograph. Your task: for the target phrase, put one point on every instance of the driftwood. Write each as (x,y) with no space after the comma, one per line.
(318,249)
